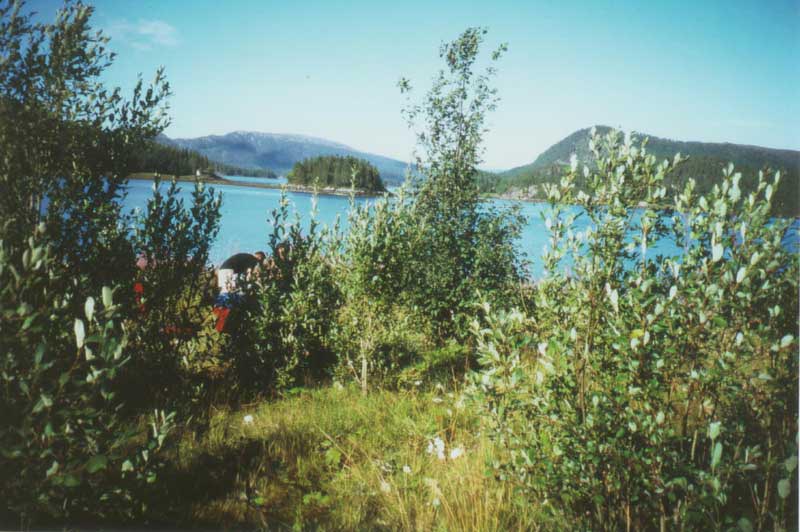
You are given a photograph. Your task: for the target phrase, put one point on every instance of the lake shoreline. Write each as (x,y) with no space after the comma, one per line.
(345,192)
(505,196)
(301,189)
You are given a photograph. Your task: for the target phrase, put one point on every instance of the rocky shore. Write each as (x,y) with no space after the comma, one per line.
(518,194)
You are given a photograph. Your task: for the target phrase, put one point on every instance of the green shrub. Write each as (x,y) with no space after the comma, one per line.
(65,451)
(71,451)
(378,331)
(376,343)
(433,246)
(67,141)
(283,333)
(380,248)
(647,391)
(422,258)
(175,306)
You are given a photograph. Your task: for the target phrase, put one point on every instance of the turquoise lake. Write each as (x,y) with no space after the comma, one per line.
(246,215)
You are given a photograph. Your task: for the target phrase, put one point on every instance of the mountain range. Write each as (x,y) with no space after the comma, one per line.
(739,154)
(279,152)
(705,163)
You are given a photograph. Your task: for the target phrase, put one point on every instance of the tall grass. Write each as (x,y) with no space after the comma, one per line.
(333,458)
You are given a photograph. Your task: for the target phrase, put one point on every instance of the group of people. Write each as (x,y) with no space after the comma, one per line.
(235,269)
(243,266)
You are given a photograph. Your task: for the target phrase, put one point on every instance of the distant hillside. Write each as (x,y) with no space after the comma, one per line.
(279,152)
(706,160)
(163,157)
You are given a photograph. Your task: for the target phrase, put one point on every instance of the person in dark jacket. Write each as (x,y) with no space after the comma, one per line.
(235,266)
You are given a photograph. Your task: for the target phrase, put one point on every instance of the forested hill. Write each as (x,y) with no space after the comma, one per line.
(336,171)
(705,164)
(279,152)
(158,157)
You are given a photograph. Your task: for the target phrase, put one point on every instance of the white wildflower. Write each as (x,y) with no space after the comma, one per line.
(542,347)
(417,383)
(248,419)
(436,446)
(385,487)
(437,400)
(456,452)
(407,469)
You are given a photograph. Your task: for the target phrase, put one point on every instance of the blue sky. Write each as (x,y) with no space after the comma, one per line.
(723,71)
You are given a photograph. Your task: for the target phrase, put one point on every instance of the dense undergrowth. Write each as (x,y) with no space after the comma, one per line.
(403,375)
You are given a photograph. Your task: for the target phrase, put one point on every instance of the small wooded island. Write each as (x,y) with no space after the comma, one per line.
(338,172)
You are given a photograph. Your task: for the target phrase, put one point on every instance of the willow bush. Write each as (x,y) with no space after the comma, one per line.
(281,334)
(378,330)
(71,451)
(65,451)
(462,246)
(67,141)
(648,391)
(172,241)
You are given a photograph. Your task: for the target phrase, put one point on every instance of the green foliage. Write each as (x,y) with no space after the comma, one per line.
(287,310)
(376,343)
(174,240)
(459,246)
(381,247)
(65,451)
(647,391)
(381,322)
(336,171)
(67,140)
(377,331)
(412,265)
(72,452)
